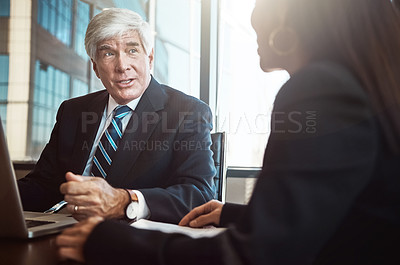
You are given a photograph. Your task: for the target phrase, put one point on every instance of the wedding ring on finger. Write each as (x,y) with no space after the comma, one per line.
(76,208)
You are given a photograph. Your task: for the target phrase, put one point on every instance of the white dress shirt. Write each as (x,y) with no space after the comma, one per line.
(106,119)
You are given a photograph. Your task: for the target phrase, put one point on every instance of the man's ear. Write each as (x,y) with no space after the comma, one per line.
(95,68)
(151,58)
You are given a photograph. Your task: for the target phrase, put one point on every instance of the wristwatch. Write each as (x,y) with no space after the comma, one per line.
(132,208)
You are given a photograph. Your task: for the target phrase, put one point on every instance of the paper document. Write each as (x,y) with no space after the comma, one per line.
(171,228)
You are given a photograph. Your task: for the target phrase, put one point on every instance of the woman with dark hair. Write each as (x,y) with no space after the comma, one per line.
(329,190)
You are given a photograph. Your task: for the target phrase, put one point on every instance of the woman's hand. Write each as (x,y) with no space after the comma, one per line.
(206,214)
(72,240)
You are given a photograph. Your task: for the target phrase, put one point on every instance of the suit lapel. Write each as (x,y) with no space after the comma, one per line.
(139,129)
(88,124)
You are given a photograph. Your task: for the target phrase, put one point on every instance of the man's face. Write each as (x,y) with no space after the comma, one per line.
(123,66)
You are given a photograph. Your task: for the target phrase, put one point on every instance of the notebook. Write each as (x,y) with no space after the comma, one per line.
(14,222)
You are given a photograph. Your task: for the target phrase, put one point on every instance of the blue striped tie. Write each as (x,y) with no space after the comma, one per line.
(108,144)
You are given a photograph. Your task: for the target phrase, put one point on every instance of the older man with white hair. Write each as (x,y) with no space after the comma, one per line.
(137,149)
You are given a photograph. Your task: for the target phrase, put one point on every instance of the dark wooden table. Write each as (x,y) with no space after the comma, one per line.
(40,251)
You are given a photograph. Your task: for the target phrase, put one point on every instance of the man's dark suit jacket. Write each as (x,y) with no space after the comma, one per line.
(328,193)
(165,152)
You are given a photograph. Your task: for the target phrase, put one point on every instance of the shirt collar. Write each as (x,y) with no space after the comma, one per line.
(112,104)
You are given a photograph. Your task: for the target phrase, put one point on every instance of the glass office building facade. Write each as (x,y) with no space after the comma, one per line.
(51,87)
(82,21)
(5,8)
(56,16)
(4,14)
(3,88)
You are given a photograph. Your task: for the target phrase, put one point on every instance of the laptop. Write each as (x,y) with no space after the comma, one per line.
(14,222)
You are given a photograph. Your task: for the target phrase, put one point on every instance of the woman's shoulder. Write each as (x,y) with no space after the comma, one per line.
(322,78)
(326,71)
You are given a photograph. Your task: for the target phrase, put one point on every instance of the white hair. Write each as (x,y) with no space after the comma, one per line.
(113,22)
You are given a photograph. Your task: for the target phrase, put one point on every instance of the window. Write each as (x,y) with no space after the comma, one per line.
(139,6)
(82,21)
(3,88)
(56,16)
(245,93)
(51,87)
(5,8)
(96,11)
(79,88)
(177,44)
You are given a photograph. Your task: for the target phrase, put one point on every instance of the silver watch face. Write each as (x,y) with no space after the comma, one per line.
(131,210)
